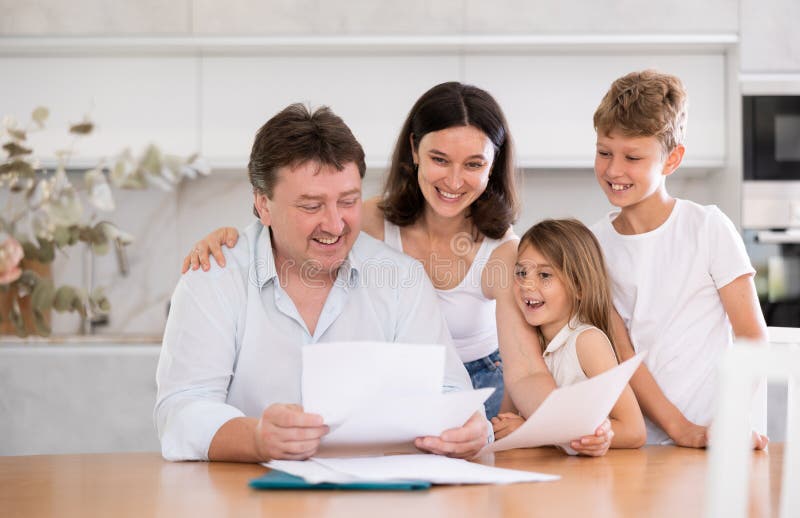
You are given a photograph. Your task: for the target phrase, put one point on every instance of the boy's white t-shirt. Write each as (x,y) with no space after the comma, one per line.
(664,285)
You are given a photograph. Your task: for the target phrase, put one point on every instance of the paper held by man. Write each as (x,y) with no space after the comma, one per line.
(393,394)
(377,398)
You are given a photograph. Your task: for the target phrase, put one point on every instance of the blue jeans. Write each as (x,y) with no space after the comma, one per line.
(488,372)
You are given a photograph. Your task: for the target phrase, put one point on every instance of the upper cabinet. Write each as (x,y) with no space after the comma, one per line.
(372,93)
(211,94)
(549,101)
(132,100)
(769,36)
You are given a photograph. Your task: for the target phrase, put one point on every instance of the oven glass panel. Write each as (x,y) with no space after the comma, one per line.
(787,138)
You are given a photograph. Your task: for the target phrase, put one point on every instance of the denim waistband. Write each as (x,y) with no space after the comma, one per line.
(487,362)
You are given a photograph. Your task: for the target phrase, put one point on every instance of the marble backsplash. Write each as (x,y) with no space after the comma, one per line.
(167,224)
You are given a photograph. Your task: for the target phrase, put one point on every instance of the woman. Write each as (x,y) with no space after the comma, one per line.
(449,201)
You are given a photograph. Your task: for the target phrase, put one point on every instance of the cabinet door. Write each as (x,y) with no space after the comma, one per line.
(373,95)
(549,101)
(132,100)
(769,40)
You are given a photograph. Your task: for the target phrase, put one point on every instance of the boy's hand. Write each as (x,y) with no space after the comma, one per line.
(595,445)
(690,435)
(760,441)
(505,423)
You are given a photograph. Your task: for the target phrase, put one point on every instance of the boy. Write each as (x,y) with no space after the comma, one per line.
(681,279)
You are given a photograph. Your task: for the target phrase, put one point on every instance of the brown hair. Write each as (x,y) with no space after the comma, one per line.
(573,250)
(445,106)
(645,104)
(297,135)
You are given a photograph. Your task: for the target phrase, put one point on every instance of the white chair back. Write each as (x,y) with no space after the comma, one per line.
(730,451)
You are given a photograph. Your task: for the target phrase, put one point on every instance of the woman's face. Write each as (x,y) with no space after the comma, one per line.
(454,168)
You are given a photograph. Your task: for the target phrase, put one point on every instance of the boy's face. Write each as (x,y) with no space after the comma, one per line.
(631,170)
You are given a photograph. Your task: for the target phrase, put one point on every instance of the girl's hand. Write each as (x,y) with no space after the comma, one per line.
(505,423)
(212,243)
(595,445)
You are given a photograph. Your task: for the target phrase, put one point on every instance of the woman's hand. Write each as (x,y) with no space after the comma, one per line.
(212,244)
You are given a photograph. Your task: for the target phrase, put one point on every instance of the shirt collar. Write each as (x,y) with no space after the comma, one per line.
(562,336)
(263,266)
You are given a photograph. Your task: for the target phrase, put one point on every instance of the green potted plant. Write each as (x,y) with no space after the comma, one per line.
(45,213)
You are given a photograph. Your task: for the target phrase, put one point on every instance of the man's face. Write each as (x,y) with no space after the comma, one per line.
(315,217)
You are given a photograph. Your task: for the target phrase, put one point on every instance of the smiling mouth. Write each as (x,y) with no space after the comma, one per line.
(327,240)
(533,303)
(620,186)
(449,195)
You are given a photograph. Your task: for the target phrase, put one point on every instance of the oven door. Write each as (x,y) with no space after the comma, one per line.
(775,255)
(771,137)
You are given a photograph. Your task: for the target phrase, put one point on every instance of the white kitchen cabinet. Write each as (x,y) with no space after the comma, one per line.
(550,99)
(373,95)
(132,100)
(769,36)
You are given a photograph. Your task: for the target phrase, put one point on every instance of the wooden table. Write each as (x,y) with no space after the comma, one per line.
(652,481)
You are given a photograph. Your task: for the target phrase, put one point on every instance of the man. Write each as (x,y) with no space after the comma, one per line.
(229,372)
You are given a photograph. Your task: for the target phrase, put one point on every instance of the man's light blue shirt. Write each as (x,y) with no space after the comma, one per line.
(232,344)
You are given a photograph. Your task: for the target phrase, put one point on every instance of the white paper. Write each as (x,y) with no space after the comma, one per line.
(432,468)
(378,397)
(312,472)
(343,379)
(402,419)
(571,412)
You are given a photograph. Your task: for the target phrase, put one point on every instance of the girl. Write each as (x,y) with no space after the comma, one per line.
(562,289)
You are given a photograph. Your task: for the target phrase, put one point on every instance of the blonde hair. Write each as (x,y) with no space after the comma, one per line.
(574,252)
(645,104)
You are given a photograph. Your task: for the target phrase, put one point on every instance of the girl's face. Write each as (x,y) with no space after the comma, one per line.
(541,294)
(454,168)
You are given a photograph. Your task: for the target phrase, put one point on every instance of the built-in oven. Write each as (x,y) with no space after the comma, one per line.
(771,202)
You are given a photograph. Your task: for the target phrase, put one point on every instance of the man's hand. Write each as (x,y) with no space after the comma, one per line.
(505,423)
(595,445)
(462,443)
(286,432)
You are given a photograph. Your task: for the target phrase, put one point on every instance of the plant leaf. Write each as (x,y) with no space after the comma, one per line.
(17,133)
(40,115)
(46,251)
(15,316)
(13,149)
(63,298)
(82,128)
(40,323)
(43,295)
(21,167)
(100,195)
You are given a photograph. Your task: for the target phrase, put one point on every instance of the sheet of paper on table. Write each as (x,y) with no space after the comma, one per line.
(381,395)
(432,468)
(572,411)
